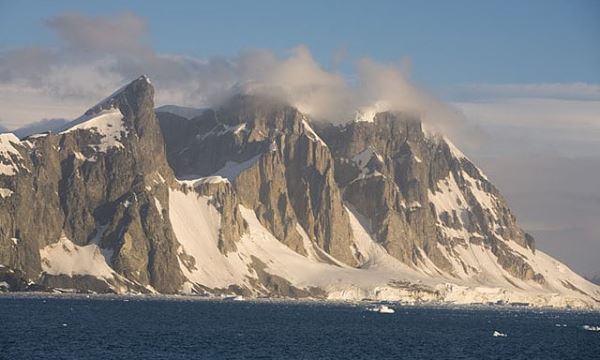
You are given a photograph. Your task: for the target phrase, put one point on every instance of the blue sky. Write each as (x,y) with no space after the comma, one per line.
(449,42)
(521,78)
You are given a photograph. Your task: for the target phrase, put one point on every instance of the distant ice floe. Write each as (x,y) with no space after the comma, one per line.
(382,309)
(591,328)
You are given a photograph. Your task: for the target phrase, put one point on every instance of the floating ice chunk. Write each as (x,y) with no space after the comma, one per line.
(382,309)
(591,328)
(4,286)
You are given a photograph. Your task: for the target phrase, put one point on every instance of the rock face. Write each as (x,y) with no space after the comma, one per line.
(277,164)
(95,188)
(422,196)
(248,199)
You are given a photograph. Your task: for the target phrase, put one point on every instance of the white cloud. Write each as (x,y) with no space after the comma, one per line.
(523,120)
(565,91)
(99,54)
(528,112)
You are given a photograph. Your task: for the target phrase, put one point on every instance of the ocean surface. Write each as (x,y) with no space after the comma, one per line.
(48,327)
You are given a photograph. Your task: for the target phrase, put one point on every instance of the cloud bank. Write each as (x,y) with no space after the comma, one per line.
(98,54)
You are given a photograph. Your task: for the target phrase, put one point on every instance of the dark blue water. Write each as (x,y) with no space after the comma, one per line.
(111,328)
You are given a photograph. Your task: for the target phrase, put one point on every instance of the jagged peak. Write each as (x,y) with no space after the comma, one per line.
(142,82)
(110,105)
(5,138)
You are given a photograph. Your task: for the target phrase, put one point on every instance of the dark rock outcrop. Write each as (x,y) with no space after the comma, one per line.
(97,184)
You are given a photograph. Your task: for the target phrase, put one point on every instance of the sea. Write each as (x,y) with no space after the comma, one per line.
(113,327)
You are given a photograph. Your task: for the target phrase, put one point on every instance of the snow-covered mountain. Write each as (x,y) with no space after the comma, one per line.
(253,198)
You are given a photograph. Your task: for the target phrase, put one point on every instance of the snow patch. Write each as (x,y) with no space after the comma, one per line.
(196,224)
(311,133)
(485,199)
(9,154)
(158,206)
(233,169)
(363,158)
(5,193)
(107,123)
(66,258)
(454,150)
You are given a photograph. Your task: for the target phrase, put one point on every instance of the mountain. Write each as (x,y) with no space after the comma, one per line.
(595,279)
(52,125)
(181,111)
(254,198)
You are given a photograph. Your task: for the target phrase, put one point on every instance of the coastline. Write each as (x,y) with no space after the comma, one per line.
(288,301)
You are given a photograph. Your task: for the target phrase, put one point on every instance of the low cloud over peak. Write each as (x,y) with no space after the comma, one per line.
(98,53)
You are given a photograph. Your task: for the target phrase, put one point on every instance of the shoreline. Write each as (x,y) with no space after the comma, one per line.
(285,301)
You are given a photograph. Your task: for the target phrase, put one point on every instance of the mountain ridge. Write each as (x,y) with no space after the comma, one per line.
(253,198)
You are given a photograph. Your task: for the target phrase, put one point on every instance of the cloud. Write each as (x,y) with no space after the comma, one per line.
(535,112)
(99,53)
(123,33)
(563,91)
(391,84)
(561,118)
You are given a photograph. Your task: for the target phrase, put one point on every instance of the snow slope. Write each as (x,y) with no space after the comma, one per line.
(66,258)
(9,156)
(380,276)
(107,123)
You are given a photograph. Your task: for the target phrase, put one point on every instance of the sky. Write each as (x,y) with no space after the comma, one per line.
(516,84)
